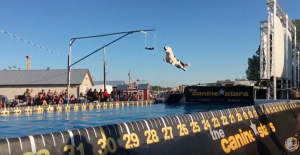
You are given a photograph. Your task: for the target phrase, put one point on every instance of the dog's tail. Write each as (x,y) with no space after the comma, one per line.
(187,65)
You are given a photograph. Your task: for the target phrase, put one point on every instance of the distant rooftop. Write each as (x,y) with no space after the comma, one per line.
(41,77)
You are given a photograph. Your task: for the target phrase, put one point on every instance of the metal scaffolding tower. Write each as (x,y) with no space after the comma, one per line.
(268,54)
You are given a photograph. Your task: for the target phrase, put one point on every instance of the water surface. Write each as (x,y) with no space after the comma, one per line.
(31,124)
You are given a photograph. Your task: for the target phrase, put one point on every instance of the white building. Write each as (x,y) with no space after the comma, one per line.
(13,83)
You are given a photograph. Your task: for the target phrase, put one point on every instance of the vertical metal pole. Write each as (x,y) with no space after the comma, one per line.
(274,50)
(104,68)
(69,72)
(298,71)
(268,54)
(287,56)
(297,63)
(129,75)
(261,56)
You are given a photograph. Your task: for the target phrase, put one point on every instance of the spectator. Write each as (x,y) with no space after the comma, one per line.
(43,92)
(40,100)
(89,95)
(135,97)
(72,99)
(62,92)
(105,95)
(130,97)
(81,98)
(55,97)
(113,94)
(32,96)
(55,93)
(26,96)
(95,95)
(118,93)
(61,100)
(50,96)
(101,95)
(66,96)
(121,96)
(4,102)
(81,94)
(125,97)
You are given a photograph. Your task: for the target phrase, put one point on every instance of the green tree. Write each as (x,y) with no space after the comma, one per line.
(297,24)
(156,88)
(252,72)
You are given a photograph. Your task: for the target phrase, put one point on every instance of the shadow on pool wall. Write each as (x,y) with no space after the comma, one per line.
(259,129)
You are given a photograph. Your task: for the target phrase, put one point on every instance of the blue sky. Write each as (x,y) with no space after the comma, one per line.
(216,37)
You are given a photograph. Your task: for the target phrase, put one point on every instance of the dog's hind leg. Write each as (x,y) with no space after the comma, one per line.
(183,65)
(187,65)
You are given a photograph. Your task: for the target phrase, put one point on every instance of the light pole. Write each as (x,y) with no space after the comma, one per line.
(298,67)
(104,68)
(72,40)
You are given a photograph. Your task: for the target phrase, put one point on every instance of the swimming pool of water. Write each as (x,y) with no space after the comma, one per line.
(31,124)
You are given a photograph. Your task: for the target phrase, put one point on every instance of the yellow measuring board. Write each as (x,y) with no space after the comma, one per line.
(69,107)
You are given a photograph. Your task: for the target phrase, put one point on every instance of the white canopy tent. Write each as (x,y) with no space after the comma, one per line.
(109,88)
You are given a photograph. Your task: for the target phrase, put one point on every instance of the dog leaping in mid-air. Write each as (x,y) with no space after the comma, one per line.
(171,59)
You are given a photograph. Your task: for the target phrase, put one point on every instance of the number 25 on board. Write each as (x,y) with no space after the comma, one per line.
(195,126)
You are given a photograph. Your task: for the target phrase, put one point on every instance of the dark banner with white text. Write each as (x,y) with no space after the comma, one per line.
(219,94)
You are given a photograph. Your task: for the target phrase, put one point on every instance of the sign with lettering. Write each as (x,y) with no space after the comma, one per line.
(242,94)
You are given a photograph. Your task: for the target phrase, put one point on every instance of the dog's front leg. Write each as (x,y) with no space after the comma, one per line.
(172,62)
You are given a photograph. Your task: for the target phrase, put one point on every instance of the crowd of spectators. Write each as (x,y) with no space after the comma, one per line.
(54,97)
(115,95)
(44,98)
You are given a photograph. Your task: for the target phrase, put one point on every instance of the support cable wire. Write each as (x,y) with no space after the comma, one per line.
(149,48)
(154,41)
(41,47)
